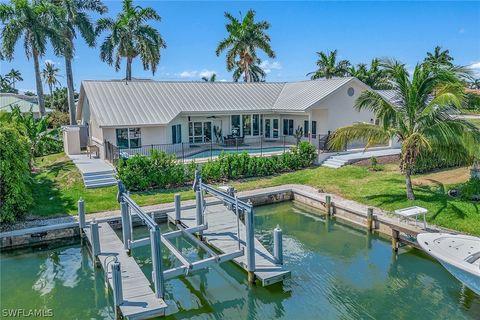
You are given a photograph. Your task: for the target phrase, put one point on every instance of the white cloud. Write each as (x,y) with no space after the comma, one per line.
(223,80)
(268,66)
(196,74)
(475,67)
(188,74)
(207,73)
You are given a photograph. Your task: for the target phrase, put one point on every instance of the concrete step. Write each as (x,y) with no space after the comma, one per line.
(339,161)
(98,177)
(100,183)
(95,173)
(104,183)
(333,166)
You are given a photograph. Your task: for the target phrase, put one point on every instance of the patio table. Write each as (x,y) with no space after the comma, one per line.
(410,212)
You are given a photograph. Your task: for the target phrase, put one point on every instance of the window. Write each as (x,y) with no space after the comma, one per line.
(314,127)
(256,124)
(129,138)
(288,127)
(199,131)
(177,133)
(247,124)
(305,129)
(236,125)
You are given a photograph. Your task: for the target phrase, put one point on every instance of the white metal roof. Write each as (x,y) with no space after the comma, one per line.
(158,102)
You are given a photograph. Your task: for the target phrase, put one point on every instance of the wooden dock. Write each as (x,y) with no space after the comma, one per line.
(140,301)
(222,235)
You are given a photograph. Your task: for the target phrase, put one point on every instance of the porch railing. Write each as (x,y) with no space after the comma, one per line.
(202,151)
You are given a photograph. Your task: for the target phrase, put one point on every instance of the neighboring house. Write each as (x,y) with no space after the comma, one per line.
(143,113)
(26,103)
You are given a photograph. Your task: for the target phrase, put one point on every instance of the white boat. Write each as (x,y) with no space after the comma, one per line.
(459,254)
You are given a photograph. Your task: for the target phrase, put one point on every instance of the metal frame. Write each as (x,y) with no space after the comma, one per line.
(129,208)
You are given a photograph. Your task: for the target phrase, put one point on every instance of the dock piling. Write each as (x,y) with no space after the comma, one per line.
(95,240)
(278,245)
(199,211)
(249,239)
(126,233)
(81,215)
(157,273)
(178,210)
(370,219)
(328,204)
(117,287)
(395,239)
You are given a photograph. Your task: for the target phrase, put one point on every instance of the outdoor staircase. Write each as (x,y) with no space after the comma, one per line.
(99,179)
(334,162)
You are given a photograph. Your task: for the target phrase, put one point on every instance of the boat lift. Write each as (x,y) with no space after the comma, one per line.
(129,208)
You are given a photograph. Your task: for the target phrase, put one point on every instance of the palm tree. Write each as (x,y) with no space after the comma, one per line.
(420,117)
(255,73)
(439,57)
(13,76)
(130,37)
(75,21)
(50,76)
(36,22)
(212,78)
(328,66)
(474,83)
(243,40)
(374,76)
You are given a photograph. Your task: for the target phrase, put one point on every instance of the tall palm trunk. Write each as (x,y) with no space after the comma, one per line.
(408,183)
(247,72)
(70,90)
(38,79)
(129,69)
(50,88)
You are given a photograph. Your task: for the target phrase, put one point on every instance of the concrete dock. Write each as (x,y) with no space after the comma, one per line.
(139,301)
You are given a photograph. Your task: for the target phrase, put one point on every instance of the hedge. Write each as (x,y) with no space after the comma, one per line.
(430,161)
(161,170)
(15,180)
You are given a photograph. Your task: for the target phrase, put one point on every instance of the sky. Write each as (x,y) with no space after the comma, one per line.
(360,31)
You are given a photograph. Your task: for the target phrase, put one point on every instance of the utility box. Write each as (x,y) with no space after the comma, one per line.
(71,139)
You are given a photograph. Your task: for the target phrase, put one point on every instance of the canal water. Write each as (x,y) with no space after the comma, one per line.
(338,272)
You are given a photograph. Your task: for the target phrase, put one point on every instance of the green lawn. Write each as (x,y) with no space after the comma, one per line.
(58,187)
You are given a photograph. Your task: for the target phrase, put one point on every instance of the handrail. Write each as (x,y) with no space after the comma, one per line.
(142,215)
(226,197)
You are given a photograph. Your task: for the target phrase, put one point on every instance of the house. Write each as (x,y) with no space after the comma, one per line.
(135,114)
(24,102)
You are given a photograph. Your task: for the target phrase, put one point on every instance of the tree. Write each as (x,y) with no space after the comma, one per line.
(255,73)
(35,130)
(5,85)
(439,57)
(36,22)
(420,118)
(212,78)
(374,76)
(75,21)
(243,40)
(50,76)
(328,67)
(131,37)
(13,76)
(474,83)
(15,180)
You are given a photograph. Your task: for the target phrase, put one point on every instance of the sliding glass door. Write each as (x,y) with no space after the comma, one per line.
(199,131)
(272,127)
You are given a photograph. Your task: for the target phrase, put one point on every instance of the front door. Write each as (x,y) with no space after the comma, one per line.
(272,127)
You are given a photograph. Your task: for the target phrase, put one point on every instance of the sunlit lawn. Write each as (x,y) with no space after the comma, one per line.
(59,186)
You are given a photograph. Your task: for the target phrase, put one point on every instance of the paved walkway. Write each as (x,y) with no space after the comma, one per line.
(96,173)
(87,165)
(340,160)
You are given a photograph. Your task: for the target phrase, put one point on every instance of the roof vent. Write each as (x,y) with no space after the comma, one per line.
(350,92)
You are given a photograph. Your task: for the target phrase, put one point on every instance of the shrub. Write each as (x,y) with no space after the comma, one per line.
(470,190)
(15,180)
(161,170)
(430,161)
